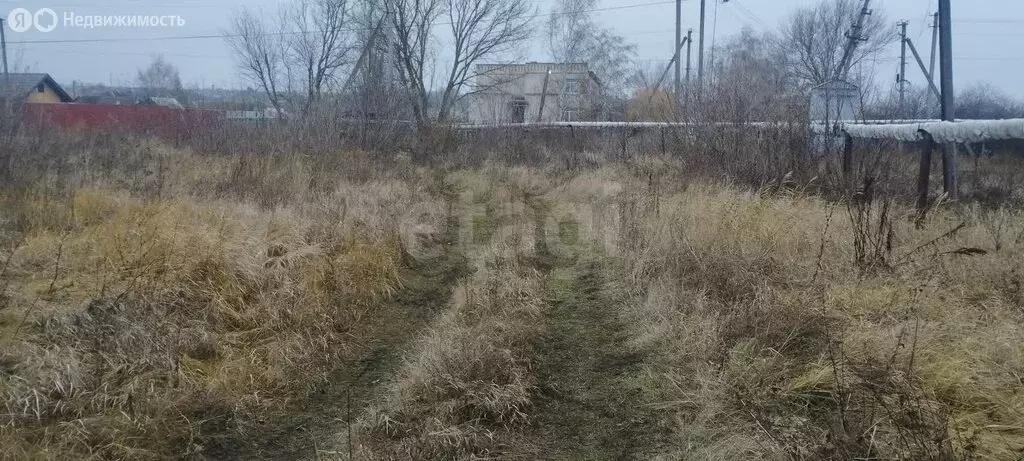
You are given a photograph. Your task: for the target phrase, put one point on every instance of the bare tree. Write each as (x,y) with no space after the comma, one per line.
(479,29)
(574,36)
(160,79)
(918,103)
(318,43)
(296,58)
(412,22)
(260,54)
(372,85)
(569,28)
(748,84)
(985,101)
(644,75)
(814,38)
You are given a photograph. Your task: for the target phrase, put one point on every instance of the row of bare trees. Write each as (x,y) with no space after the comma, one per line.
(295,58)
(415,59)
(425,48)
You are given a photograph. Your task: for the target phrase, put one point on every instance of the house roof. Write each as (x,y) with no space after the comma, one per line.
(17,85)
(835,84)
(112,98)
(165,102)
(533,66)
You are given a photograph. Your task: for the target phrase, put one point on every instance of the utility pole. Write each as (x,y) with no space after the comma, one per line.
(364,55)
(3,46)
(935,42)
(854,38)
(7,77)
(902,79)
(675,60)
(678,43)
(949,168)
(689,48)
(700,52)
(927,75)
(946,61)
(543,96)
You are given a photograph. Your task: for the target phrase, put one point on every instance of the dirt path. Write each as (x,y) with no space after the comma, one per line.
(591,404)
(312,429)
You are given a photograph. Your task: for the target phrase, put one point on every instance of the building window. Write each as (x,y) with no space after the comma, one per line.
(572,86)
(518,110)
(568,115)
(41,88)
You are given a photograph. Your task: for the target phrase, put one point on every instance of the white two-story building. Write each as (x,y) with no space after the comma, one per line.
(534,93)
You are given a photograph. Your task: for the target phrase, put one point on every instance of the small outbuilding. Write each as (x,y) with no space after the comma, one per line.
(835,101)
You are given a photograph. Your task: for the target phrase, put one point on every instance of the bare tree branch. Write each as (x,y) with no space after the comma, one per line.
(813,39)
(161,79)
(259,53)
(319,43)
(574,37)
(480,29)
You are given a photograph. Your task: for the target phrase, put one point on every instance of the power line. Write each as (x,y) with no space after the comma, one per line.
(742,18)
(118,53)
(361,29)
(925,22)
(750,14)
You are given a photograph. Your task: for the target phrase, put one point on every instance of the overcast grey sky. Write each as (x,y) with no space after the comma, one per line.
(987,36)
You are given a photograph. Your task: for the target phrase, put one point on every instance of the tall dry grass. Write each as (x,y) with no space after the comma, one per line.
(186,315)
(770,336)
(467,386)
(158,303)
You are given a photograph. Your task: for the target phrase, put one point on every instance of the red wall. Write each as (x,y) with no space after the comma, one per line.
(101,118)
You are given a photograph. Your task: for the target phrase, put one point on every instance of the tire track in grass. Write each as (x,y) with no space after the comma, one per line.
(312,430)
(591,402)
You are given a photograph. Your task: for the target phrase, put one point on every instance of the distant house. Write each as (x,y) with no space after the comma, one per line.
(255,116)
(114,97)
(834,101)
(32,88)
(534,92)
(171,103)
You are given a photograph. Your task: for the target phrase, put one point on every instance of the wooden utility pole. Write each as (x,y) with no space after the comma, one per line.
(848,161)
(927,75)
(949,169)
(3,46)
(854,38)
(676,57)
(677,88)
(924,172)
(370,43)
(902,79)
(689,49)
(543,96)
(700,51)
(935,43)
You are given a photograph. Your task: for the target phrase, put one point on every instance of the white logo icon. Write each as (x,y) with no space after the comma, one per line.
(20,19)
(45,19)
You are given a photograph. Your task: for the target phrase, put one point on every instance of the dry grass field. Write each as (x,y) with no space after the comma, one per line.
(162,303)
